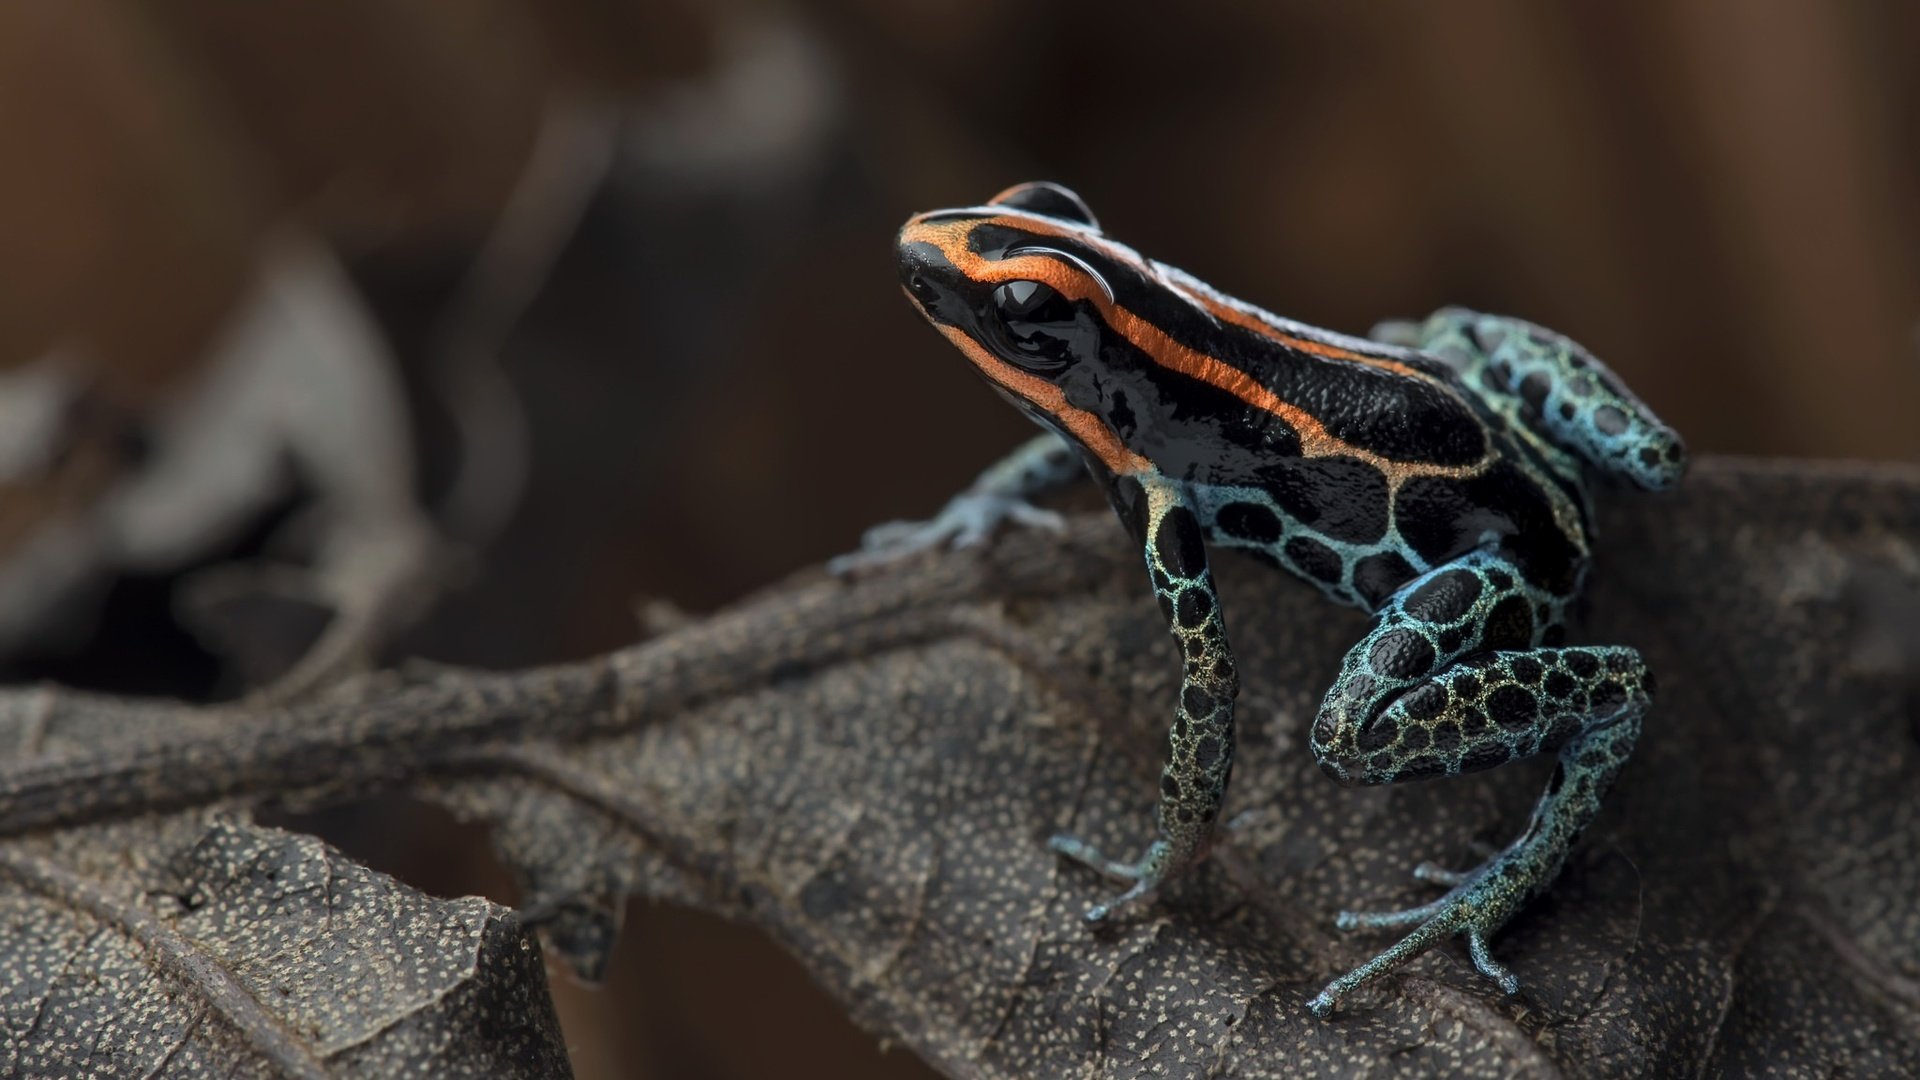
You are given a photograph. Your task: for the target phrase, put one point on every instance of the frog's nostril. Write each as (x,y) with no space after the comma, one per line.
(921,288)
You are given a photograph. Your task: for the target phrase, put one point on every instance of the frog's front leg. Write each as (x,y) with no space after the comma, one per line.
(1000,493)
(1200,743)
(1451,680)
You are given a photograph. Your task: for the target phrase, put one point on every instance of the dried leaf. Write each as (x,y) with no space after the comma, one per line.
(198,945)
(868,772)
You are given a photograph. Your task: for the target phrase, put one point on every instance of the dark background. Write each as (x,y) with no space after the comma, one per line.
(720,382)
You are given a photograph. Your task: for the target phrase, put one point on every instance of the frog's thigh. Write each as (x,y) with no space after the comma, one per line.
(1450,680)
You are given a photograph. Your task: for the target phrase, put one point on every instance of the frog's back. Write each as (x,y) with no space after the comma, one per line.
(1360,535)
(1359,465)
(1298,388)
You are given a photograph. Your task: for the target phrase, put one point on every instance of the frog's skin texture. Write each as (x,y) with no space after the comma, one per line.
(1435,477)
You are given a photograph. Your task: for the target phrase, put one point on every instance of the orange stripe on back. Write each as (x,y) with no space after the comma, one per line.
(1247,320)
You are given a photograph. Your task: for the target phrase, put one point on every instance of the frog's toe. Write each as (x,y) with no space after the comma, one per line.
(862,558)
(1435,874)
(966,521)
(1478,903)
(1036,517)
(910,535)
(974,531)
(974,518)
(1386,920)
(1432,874)
(893,541)
(1484,961)
(1143,877)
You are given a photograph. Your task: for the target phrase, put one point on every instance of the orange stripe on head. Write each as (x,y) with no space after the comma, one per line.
(954,236)
(1215,305)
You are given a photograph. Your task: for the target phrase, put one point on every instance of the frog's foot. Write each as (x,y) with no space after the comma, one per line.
(1143,877)
(1476,905)
(966,521)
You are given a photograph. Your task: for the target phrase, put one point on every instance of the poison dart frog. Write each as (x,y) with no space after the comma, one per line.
(1436,476)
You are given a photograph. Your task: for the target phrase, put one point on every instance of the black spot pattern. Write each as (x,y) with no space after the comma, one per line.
(1509,625)
(1512,707)
(1251,522)
(1342,499)
(1444,597)
(1400,654)
(1535,388)
(1426,702)
(1379,734)
(1377,576)
(1193,607)
(1179,543)
(1314,559)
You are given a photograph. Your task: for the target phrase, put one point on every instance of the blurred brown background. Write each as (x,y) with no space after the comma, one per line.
(590,303)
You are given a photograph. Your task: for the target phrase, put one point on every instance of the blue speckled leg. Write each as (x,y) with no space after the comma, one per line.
(1200,744)
(1001,493)
(1542,379)
(1451,680)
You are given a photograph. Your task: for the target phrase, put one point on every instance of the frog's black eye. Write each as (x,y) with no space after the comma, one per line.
(1050,199)
(1042,327)
(1031,301)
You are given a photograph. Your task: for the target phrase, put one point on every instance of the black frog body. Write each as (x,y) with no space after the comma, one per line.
(1436,477)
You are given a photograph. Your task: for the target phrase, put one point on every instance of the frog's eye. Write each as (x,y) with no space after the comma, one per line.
(1045,197)
(1042,326)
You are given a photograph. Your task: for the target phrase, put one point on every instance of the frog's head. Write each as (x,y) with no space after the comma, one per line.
(1021,286)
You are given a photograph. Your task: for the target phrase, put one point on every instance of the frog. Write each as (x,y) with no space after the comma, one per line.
(1436,474)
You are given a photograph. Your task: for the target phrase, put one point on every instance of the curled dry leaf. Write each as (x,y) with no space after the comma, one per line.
(868,771)
(194,944)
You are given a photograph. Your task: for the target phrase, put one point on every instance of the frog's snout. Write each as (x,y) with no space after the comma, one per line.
(921,282)
(920,287)
(929,279)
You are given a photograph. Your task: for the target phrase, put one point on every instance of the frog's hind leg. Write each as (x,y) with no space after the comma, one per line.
(1451,680)
(1548,382)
